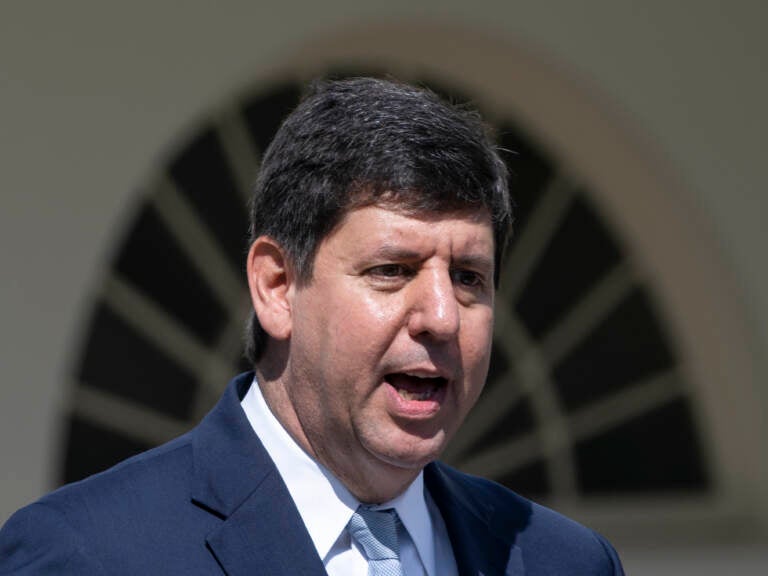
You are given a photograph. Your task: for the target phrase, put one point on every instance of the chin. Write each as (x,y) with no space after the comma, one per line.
(414,459)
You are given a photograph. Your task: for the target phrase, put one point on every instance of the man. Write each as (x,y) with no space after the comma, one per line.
(378,222)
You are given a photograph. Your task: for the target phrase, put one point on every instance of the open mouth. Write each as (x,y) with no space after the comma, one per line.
(417,388)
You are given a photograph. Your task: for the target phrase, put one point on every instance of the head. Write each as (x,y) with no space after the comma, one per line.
(378,221)
(360,142)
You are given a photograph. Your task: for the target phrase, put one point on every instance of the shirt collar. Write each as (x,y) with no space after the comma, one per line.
(324,503)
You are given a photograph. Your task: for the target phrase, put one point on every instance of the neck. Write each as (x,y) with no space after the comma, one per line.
(369,479)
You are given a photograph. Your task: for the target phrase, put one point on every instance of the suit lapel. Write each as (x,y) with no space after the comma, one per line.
(477,548)
(265,535)
(261,531)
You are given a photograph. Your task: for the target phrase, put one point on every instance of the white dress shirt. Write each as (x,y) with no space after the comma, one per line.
(325,505)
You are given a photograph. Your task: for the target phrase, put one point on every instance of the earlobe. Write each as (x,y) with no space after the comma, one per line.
(270,281)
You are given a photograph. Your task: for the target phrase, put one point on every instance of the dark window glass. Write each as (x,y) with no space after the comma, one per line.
(529,172)
(91,449)
(151,260)
(499,367)
(265,112)
(203,176)
(531,481)
(627,347)
(517,420)
(578,255)
(123,363)
(654,452)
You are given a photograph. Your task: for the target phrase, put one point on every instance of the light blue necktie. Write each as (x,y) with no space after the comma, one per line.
(376,532)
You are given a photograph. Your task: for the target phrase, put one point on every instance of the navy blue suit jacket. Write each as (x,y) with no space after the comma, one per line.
(212,502)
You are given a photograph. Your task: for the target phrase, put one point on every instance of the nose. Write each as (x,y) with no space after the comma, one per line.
(434,308)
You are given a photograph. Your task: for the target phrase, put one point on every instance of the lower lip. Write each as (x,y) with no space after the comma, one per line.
(415,409)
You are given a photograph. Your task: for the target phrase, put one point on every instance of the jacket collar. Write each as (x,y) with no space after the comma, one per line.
(235,479)
(482,537)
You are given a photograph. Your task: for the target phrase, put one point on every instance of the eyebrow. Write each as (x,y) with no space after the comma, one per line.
(394,252)
(475,262)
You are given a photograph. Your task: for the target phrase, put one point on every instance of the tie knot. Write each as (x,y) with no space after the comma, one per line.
(376,531)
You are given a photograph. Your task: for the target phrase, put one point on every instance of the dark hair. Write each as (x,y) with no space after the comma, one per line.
(357,142)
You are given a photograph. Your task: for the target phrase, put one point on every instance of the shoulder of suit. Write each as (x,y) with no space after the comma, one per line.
(516,518)
(131,480)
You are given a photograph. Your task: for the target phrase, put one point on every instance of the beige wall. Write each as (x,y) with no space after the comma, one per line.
(91,97)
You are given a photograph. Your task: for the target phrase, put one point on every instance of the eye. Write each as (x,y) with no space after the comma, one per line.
(468,278)
(389,271)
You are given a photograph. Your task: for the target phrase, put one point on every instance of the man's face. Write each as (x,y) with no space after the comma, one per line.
(390,341)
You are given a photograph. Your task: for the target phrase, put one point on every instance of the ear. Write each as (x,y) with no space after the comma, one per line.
(271,284)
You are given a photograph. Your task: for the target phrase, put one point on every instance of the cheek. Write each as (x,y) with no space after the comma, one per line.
(476,347)
(366,324)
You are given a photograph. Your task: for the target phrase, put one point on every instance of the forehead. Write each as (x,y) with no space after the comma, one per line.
(375,225)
